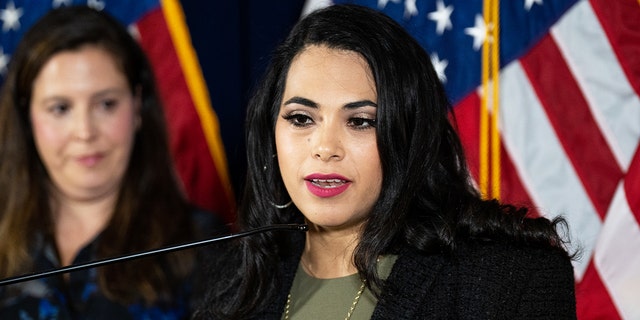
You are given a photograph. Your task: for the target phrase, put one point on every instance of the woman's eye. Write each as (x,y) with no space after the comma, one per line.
(299,120)
(108,104)
(59,109)
(362,123)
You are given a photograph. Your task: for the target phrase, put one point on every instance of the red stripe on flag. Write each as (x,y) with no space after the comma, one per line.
(467,115)
(188,143)
(624,37)
(592,297)
(632,186)
(512,190)
(573,123)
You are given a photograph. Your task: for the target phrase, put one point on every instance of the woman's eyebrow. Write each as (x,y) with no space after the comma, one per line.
(360,104)
(350,105)
(302,101)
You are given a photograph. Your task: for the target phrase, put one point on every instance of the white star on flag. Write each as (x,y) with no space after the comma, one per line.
(96,4)
(529,3)
(478,32)
(383,3)
(10,17)
(440,66)
(410,8)
(442,17)
(59,3)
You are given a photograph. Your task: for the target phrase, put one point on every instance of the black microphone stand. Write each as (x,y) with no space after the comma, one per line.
(98,263)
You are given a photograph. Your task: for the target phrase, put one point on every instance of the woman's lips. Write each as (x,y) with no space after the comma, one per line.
(326,186)
(89,160)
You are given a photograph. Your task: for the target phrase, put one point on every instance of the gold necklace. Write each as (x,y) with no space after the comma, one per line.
(287,308)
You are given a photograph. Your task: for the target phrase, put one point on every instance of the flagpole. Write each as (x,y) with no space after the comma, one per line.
(495,77)
(484,114)
(489,175)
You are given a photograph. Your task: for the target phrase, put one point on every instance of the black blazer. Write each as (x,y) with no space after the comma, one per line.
(481,280)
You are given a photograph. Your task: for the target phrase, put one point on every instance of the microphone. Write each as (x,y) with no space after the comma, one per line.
(98,263)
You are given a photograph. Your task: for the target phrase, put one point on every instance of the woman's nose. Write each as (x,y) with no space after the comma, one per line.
(327,144)
(85,126)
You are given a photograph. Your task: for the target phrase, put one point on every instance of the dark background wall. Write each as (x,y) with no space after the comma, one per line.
(233,40)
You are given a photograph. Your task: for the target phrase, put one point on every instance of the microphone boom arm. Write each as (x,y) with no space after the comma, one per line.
(102,262)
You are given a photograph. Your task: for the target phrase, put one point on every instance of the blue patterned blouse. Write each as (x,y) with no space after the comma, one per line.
(79,298)
(52,298)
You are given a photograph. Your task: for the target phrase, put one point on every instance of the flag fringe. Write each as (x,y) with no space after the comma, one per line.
(174,16)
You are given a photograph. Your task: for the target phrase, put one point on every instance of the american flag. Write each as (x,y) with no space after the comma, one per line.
(568,120)
(160,27)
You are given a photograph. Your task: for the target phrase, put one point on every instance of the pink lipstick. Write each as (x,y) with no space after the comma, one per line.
(89,160)
(326,185)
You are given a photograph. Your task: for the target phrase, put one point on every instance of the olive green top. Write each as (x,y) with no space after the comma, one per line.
(313,298)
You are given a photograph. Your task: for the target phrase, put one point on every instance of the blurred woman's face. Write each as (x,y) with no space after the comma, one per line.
(326,137)
(84,118)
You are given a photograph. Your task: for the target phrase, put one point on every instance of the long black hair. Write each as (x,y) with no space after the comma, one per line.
(427,202)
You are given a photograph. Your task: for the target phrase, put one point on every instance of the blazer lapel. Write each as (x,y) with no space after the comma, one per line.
(410,281)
